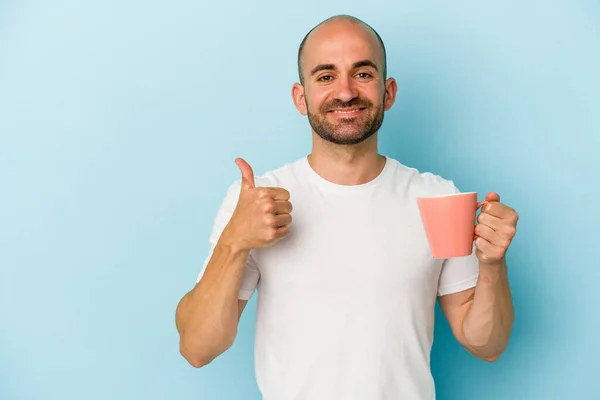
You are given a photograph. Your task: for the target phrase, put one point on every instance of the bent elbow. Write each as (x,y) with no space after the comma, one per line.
(198,362)
(194,359)
(200,356)
(492,359)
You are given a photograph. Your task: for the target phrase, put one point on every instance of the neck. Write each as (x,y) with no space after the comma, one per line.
(346,164)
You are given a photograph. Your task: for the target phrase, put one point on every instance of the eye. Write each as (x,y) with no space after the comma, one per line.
(325,78)
(364,75)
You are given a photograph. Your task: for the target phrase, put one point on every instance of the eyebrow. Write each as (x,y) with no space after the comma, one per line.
(358,64)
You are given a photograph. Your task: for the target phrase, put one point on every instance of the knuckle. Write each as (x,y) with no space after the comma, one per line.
(511,231)
(263,193)
(271,234)
(268,207)
(269,220)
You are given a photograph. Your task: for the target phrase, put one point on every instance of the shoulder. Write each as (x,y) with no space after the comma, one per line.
(272,178)
(420,183)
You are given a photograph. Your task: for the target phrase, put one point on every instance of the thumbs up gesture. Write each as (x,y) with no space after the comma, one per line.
(262,214)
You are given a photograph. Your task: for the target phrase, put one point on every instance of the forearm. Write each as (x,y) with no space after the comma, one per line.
(207,316)
(488,323)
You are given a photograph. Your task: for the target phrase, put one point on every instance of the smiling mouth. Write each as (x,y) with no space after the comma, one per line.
(347,112)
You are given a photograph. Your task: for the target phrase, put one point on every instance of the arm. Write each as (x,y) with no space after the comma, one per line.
(207,317)
(481,318)
(250,218)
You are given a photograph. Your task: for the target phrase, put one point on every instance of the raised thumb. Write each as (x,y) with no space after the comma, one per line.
(247,173)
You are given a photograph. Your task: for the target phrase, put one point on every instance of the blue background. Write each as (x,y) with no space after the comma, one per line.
(119,124)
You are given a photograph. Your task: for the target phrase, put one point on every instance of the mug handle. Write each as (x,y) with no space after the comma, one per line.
(479,205)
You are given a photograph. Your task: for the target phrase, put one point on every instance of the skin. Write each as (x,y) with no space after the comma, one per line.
(342,68)
(481,318)
(342,44)
(207,317)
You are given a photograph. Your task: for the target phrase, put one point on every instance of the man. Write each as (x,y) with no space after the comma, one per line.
(346,292)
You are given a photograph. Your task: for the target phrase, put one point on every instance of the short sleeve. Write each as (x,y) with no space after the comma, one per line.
(251,273)
(459,273)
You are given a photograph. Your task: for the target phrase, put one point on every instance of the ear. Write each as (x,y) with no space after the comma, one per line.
(298,97)
(390,93)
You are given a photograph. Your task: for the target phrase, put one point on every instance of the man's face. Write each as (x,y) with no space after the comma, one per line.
(344,93)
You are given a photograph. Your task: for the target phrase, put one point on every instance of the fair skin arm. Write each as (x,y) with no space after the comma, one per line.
(207,317)
(481,318)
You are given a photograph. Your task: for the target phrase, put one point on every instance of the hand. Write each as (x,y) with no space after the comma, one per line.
(496,228)
(262,214)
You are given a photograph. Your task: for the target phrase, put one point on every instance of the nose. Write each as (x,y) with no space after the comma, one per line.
(345,90)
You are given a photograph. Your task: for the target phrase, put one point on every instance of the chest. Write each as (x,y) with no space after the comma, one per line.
(367,245)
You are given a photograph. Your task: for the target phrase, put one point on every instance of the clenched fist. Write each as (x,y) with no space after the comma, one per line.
(495,231)
(262,214)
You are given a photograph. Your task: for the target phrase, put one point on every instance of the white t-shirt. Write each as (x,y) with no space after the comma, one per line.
(346,301)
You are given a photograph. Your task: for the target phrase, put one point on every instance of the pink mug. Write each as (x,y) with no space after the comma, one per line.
(449,222)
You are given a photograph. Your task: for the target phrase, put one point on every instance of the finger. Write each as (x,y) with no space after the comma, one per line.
(283,220)
(492,236)
(281,232)
(281,194)
(486,251)
(274,193)
(503,227)
(491,221)
(492,196)
(500,210)
(247,173)
(282,207)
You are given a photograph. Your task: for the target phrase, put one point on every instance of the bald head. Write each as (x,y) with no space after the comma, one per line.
(319,32)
